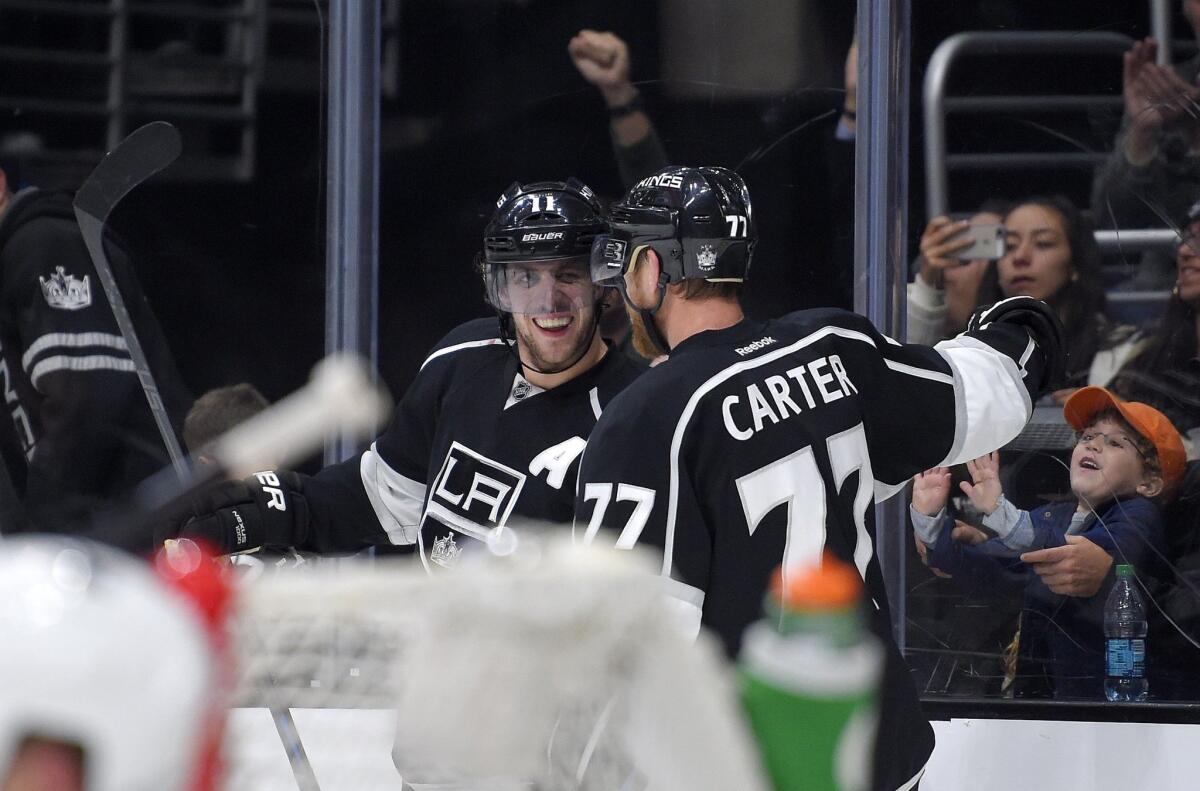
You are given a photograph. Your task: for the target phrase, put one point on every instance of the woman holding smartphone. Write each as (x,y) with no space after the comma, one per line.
(1050,253)
(946,288)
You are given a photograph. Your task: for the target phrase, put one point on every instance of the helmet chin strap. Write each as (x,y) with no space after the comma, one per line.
(647,314)
(509,336)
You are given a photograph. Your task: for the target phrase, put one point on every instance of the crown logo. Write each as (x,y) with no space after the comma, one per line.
(707,258)
(66,292)
(445,552)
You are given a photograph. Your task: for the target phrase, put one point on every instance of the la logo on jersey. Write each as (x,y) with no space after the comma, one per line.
(472,493)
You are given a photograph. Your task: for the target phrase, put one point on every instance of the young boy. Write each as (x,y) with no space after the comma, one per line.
(1125,450)
(1127,454)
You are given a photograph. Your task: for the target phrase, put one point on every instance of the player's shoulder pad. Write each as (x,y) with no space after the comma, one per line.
(472,335)
(621,371)
(806,322)
(651,396)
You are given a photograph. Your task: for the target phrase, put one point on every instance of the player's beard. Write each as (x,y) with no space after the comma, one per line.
(641,336)
(540,355)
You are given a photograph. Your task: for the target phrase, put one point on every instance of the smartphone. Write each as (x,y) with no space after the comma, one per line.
(987,242)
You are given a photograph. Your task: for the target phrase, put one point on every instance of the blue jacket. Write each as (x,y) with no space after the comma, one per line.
(1062,637)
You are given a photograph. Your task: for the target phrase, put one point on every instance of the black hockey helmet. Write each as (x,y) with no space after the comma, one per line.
(698,220)
(548,227)
(543,221)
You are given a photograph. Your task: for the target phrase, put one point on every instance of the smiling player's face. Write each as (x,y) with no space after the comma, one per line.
(554,311)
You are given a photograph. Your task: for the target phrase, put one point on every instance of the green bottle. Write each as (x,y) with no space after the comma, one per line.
(810,679)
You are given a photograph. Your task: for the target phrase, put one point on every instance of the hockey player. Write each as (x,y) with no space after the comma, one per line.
(491,430)
(82,434)
(760,443)
(112,677)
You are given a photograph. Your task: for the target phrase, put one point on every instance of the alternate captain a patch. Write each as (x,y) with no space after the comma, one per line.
(66,292)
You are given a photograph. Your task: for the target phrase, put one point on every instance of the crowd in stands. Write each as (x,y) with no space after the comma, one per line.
(1058,559)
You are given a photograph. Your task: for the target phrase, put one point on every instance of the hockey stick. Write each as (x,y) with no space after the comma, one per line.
(341,398)
(136,158)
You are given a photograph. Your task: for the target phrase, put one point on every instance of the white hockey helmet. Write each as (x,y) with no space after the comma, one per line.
(98,651)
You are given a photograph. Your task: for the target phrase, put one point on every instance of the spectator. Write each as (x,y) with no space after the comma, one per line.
(1051,255)
(602,58)
(1128,453)
(946,289)
(86,435)
(1164,362)
(1153,173)
(216,412)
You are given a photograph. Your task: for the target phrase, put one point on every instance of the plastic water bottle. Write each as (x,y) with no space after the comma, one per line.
(810,679)
(1125,640)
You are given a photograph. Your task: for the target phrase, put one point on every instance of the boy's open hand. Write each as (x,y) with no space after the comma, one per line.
(930,490)
(984,490)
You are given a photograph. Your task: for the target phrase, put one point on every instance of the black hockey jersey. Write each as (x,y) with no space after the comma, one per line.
(764,443)
(70,389)
(472,449)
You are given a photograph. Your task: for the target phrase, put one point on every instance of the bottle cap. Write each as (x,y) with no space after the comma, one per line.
(1124,571)
(830,585)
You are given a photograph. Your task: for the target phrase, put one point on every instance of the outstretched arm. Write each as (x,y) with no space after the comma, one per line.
(602,59)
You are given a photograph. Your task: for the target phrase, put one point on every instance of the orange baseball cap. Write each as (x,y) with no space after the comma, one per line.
(1144,419)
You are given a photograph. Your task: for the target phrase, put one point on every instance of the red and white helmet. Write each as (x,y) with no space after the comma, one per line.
(100,651)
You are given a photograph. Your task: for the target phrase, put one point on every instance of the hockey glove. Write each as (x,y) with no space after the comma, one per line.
(1044,327)
(262,511)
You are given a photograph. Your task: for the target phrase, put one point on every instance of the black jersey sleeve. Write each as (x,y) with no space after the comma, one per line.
(930,406)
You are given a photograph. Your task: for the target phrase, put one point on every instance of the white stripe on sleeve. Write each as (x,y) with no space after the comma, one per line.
(71,340)
(92,362)
(991,404)
(397,500)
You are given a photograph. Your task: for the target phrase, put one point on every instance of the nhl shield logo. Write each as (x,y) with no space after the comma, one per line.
(521,390)
(707,258)
(66,292)
(445,552)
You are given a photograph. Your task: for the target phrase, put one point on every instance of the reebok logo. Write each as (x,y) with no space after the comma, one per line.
(750,348)
(542,237)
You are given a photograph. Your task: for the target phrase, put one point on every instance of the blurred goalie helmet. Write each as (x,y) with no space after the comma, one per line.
(102,653)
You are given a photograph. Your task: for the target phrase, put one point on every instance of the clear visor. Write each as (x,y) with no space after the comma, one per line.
(609,259)
(540,287)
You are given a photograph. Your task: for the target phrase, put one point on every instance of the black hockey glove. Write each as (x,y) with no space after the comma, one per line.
(265,510)
(1042,324)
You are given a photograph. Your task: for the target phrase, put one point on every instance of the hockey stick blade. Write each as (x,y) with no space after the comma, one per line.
(139,156)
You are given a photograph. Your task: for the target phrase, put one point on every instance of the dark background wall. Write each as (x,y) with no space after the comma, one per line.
(488,95)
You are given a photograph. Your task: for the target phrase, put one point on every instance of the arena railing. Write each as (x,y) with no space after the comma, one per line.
(938,105)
